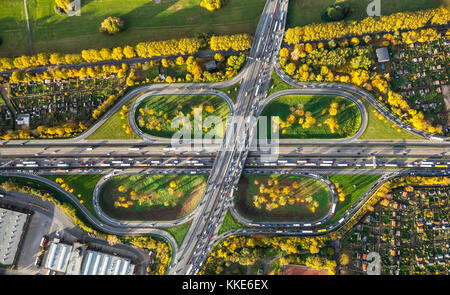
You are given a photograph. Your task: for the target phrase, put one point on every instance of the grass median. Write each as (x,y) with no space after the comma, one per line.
(306,117)
(151,197)
(353,187)
(155,114)
(282,198)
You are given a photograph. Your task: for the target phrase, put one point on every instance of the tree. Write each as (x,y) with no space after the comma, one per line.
(112,25)
(212,5)
(63,4)
(344,259)
(129,52)
(117,53)
(180,61)
(164,63)
(290,69)
(219,57)
(112,240)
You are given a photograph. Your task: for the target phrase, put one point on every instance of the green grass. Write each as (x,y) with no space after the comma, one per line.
(112,128)
(179,232)
(299,211)
(353,187)
(232,91)
(304,12)
(348,117)
(169,104)
(153,199)
(13,29)
(82,184)
(144,20)
(278,84)
(229,224)
(383,129)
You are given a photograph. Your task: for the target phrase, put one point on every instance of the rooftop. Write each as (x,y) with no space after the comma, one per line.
(382,54)
(96,263)
(11,229)
(58,257)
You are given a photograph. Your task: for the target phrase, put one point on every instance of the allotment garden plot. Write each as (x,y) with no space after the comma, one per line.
(282,198)
(151,197)
(155,114)
(313,116)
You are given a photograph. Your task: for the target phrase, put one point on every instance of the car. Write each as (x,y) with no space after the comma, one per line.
(44,242)
(37,261)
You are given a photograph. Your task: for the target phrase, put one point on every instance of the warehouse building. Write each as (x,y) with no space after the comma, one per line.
(96,263)
(12,224)
(77,260)
(58,256)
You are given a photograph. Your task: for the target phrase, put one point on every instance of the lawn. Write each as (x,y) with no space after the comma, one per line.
(308,191)
(83,186)
(154,114)
(353,187)
(144,20)
(229,223)
(151,197)
(13,28)
(179,232)
(304,12)
(348,116)
(112,128)
(232,91)
(378,129)
(277,84)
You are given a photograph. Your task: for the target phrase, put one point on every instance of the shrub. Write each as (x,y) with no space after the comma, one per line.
(336,12)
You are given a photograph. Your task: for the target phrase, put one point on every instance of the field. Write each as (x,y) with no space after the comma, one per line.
(112,128)
(348,116)
(151,197)
(154,113)
(144,21)
(13,30)
(304,12)
(82,185)
(308,192)
(383,129)
(353,187)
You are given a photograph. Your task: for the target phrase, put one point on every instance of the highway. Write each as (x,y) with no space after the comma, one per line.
(229,161)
